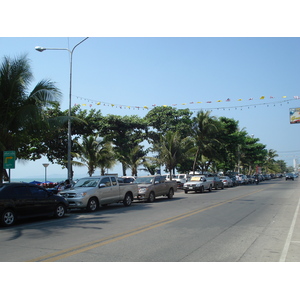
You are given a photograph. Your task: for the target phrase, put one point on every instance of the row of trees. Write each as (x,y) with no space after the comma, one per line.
(33,124)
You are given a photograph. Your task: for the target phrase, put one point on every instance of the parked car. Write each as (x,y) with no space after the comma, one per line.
(242,179)
(150,187)
(216,182)
(181,179)
(91,192)
(197,183)
(251,179)
(234,180)
(289,176)
(226,181)
(23,200)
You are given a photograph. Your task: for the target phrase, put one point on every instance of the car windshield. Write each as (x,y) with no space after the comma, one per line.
(197,178)
(87,182)
(144,179)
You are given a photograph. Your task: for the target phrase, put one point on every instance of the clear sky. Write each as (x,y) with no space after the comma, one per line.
(124,75)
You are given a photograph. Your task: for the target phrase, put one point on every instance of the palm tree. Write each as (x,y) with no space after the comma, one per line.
(135,158)
(94,153)
(269,163)
(205,132)
(21,111)
(171,149)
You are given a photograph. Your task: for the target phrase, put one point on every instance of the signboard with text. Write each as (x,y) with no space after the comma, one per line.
(295,115)
(9,158)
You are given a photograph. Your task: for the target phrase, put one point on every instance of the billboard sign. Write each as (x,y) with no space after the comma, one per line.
(294,115)
(9,158)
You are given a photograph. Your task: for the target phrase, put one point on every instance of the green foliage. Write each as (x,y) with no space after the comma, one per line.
(22,115)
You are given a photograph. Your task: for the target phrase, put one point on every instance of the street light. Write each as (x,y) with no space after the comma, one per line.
(41,49)
(45,165)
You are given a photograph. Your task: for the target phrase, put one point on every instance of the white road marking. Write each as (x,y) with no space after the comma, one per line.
(289,236)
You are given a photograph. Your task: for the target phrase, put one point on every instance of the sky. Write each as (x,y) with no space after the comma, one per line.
(252,78)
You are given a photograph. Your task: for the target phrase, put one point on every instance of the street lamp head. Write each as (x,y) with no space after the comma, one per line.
(40,49)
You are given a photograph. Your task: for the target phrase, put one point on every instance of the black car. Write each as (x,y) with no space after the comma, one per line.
(289,176)
(23,200)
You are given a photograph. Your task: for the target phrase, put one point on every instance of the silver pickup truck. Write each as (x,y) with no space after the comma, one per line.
(91,192)
(150,187)
(197,183)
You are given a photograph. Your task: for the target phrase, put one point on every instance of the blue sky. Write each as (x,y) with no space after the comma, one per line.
(168,54)
(125,73)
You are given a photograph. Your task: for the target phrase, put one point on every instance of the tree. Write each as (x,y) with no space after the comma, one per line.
(135,158)
(125,133)
(170,149)
(166,118)
(205,131)
(94,153)
(270,160)
(22,114)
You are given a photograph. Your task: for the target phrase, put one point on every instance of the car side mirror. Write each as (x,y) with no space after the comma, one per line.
(102,185)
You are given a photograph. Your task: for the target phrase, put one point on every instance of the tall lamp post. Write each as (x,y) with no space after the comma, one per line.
(41,49)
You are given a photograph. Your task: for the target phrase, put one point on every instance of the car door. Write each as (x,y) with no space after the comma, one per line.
(160,185)
(42,202)
(115,190)
(105,187)
(23,202)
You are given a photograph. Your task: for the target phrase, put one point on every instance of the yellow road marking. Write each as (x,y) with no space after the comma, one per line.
(98,243)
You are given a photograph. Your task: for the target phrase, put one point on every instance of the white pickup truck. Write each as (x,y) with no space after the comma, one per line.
(197,183)
(150,187)
(92,192)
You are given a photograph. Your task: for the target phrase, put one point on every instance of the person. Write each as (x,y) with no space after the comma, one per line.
(67,184)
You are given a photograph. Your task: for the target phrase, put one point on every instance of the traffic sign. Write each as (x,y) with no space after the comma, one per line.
(9,158)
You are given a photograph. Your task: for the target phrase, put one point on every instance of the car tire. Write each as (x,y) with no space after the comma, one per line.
(92,205)
(170,194)
(151,197)
(210,188)
(8,218)
(185,191)
(128,199)
(60,211)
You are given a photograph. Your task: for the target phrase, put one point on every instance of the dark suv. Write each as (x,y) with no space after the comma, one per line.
(23,200)
(289,176)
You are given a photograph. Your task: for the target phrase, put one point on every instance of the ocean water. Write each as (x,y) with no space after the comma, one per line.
(54,179)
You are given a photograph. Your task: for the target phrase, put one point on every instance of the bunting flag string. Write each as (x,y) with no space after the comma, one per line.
(284,99)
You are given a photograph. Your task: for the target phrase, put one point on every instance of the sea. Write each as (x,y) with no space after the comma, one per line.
(51,179)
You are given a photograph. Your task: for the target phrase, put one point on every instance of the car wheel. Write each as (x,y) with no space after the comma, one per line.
(185,191)
(92,205)
(202,189)
(128,199)
(171,193)
(60,211)
(151,197)
(8,217)
(210,188)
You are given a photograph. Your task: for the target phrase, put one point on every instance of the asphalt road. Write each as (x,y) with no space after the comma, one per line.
(254,223)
